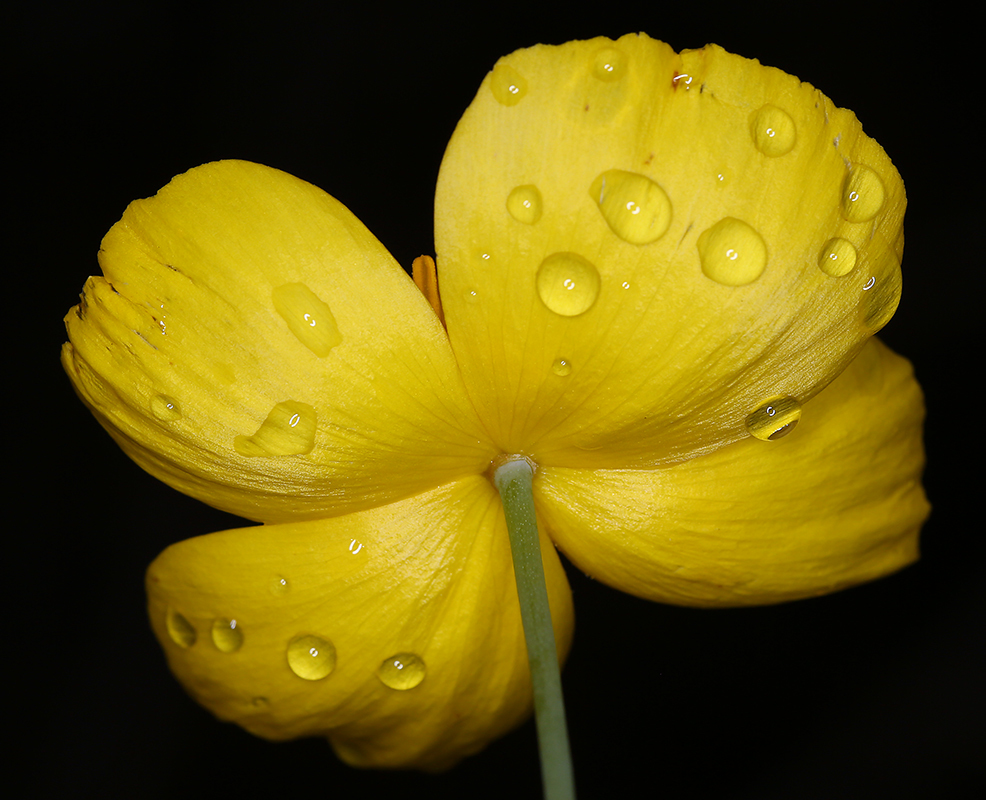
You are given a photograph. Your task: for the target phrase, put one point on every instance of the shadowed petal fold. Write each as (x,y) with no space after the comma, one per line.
(394,632)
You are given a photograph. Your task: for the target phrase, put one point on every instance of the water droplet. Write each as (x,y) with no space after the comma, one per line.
(227,635)
(635,208)
(837,258)
(561,367)
(862,194)
(308,317)
(567,284)
(472,296)
(882,294)
(732,253)
(609,64)
(179,629)
(289,430)
(311,657)
(774,419)
(723,177)
(402,671)
(524,204)
(508,85)
(279,586)
(774,132)
(683,80)
(355,546)
(165,408)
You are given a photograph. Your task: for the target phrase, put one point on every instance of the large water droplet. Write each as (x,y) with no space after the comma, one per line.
(635,208)
(308,317)
(561,367)
(774,132)
(524,204)
(732,253)
(862,194)
(774,419)
(289,430)
(402,671)
(609,64)
(508,85)
(837,258)
(227,635)
(881,294)
(567,284)
(165,408)
(311,657)
(179,629)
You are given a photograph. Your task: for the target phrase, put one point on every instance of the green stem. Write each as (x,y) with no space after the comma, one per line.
(514,481)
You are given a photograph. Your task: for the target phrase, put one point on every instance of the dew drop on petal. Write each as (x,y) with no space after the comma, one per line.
(165,408)
(635,208)
(881,294)
(862,194)
(524,204)
(227,635)
(774,132)
(288,430)
(609,64)
(732,253)
(308,317)
(279,585)
(311,657)
(508,85)
(471,296)
(179,629)
(567,284)
(837,258)
(774,419)
(402,671)
(561,367)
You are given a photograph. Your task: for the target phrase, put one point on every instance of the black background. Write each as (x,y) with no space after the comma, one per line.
(875,692)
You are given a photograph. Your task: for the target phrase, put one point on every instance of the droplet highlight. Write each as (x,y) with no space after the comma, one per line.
(180,630)
(508,85)
(402,671)
(773,130)
(562,367)
(227,635)
(837,258)
(289,430)
(732,253)
(567,284)
(524,204)
(635,208)
(863,194)
(881,294)
(774,419)
(308,317)
(609,64)
(279,586)
(311,657)
(165,408)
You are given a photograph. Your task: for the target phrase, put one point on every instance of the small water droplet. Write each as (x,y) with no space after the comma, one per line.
(837,258)
(681,80)
(561,367)
(863,194)
(227,635)
(773,130)
(882,294)
(609,64)
(723,177)
(179,629)
(567,284)
(355,546)
(508,85)
(308,317)
(165,408)
(402,671)
(471,296)
(635,208)
(774,419)
(279,586)
(732,253)
(289,430)
(524,204)
(311,657)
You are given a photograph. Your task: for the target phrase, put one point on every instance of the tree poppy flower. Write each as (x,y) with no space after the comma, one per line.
(659,278)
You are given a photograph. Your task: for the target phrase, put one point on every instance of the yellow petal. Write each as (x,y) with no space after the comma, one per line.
(253,345)
(636,246)
(394,632)
(836,502)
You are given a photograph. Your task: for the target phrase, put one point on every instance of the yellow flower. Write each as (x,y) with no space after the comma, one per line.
(660,275)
